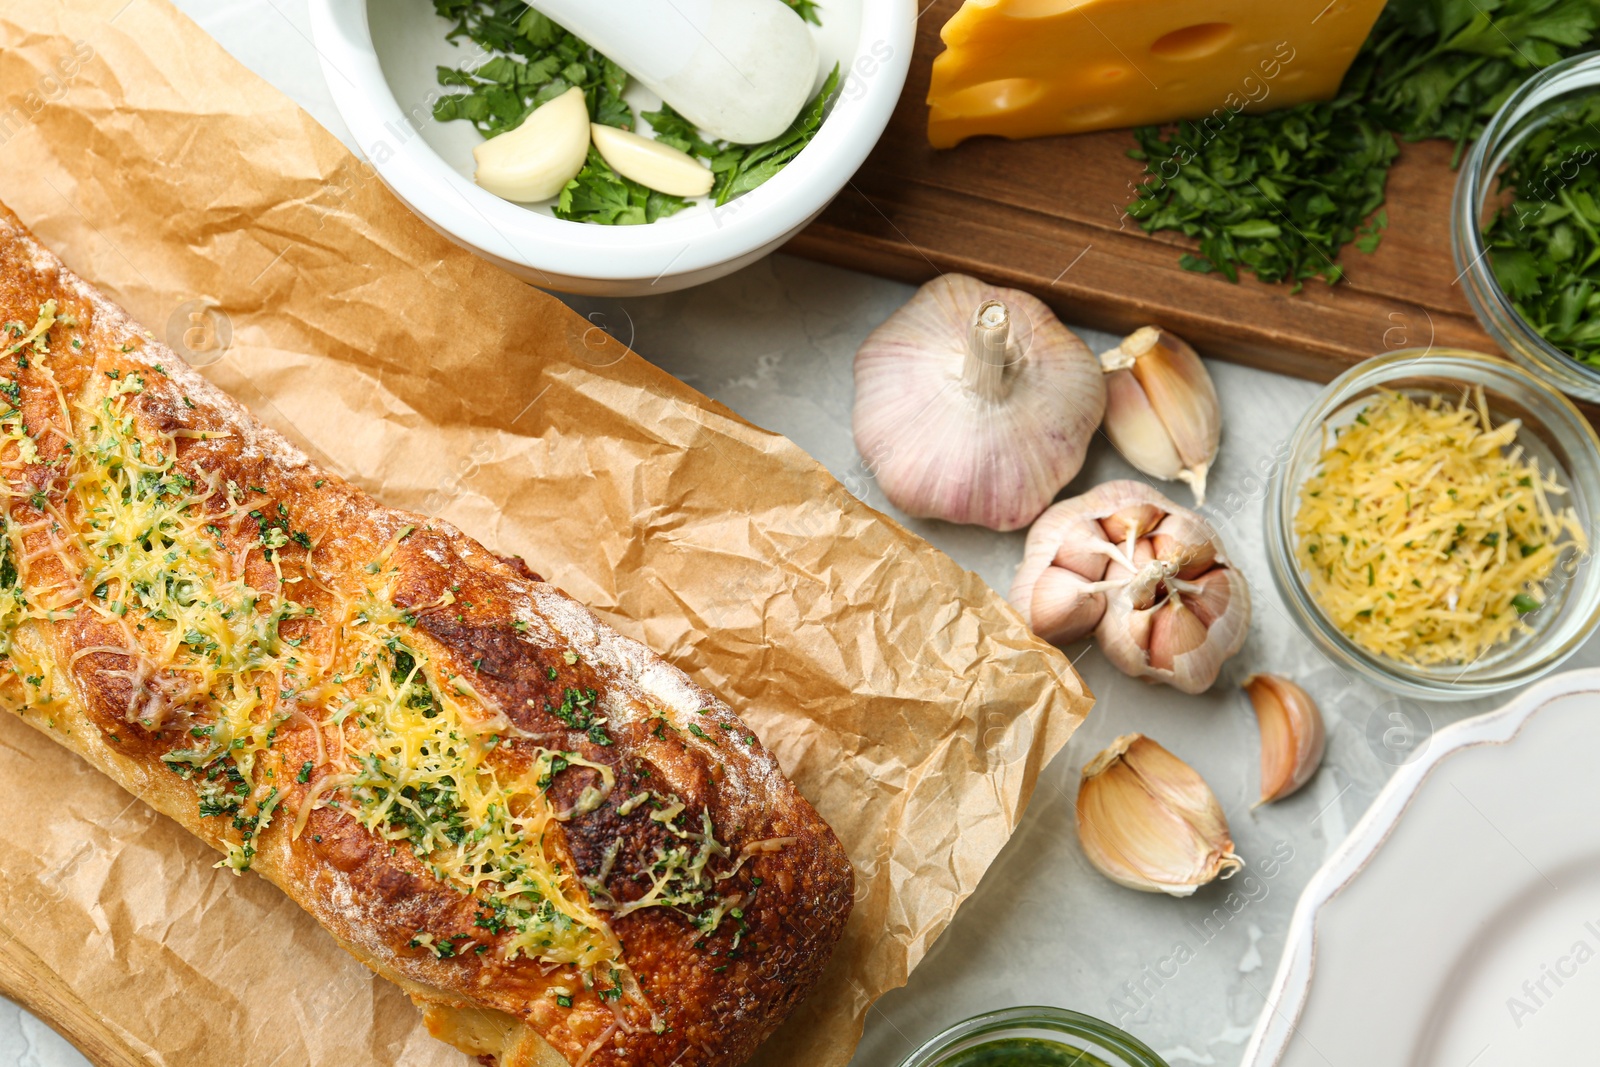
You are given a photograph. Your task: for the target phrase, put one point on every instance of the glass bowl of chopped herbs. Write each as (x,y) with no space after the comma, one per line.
(1526,225)
(1034,1037)
(1433,526)
(421,83)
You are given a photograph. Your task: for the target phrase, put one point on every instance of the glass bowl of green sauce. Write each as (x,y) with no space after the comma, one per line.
(1034,1037)
(1525,225)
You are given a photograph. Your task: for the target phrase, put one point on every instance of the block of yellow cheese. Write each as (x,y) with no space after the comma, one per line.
(1026,68)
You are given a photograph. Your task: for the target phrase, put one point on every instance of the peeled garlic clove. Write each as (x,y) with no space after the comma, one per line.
(1162,413)
(1293,736)
(650,163)
(975,404)
(536,160)
(1064,606)
(1147,821)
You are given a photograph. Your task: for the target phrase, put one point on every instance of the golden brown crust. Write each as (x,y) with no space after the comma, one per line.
(715,996)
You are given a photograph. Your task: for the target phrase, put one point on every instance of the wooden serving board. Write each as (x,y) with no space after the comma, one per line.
(1047,216)
(27,980)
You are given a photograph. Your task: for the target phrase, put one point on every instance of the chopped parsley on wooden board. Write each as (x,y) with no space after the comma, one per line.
(1277,194)
(1280,194)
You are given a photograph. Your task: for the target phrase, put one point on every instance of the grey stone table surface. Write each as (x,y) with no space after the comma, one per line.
(774,342)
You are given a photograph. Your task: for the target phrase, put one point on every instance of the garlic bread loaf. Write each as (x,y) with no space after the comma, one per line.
(563,849)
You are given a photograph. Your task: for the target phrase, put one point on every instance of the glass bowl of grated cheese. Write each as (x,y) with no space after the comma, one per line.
(1433,524)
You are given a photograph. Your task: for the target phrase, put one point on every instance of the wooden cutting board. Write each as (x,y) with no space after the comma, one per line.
(1047,216)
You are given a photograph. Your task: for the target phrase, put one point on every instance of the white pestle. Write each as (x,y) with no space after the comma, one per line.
(739,69)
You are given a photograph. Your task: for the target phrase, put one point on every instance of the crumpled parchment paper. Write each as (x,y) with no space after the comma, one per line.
(909,703)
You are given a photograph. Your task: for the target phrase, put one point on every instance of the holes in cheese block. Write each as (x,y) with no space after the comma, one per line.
(1039,9)
(1093,116)
(1192,42)
(994,97)
(1111,72)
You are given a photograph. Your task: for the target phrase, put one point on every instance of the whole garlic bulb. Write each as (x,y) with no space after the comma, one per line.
(975,404)
(1147,820)
(1162,411)
(1149,578)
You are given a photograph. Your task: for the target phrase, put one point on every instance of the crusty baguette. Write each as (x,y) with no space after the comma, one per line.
(563,849)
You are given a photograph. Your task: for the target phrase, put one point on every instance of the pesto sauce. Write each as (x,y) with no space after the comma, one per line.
(1023,1052)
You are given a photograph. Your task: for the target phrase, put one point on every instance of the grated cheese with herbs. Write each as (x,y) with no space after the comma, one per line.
(1427,533)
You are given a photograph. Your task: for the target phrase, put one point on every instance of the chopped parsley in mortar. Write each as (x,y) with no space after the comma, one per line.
(533,61)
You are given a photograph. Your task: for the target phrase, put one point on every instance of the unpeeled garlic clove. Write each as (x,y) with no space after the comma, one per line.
(1078,553)
(1293,736)
(1169,606)
(1183,644)
(650,163)
(1185,540)
(1174,631)
(1212,593)
(1134,427)
(1133,521)
(1148,821)
(1072,536)
(1162,411)
(536,160)
(1184,611)
(1064,606)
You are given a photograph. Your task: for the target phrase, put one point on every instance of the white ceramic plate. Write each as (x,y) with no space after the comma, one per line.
(1459,926)
(379,59)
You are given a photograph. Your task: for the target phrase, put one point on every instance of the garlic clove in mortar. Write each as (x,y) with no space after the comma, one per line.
(650,163)
(536,160)
(975,404)
(1162,411)
(1167,605)
(1148,821)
